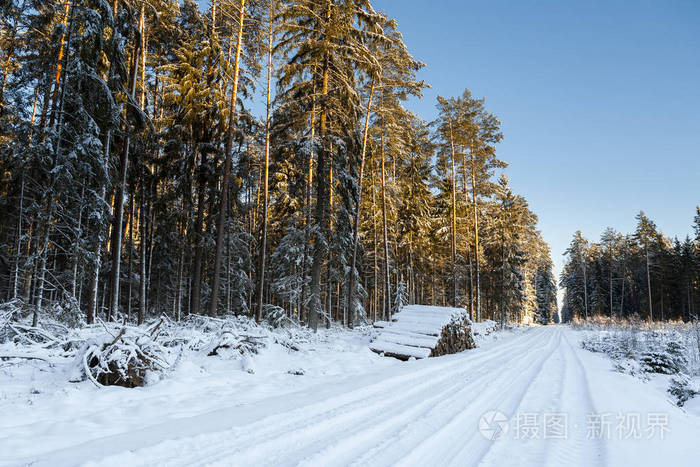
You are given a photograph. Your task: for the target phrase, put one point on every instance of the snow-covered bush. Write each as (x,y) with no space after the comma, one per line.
(129,359)
(229,344)
(400,297)
(682,389)
(630,367)
(668,361)
(483,328)
(276,317)
(642,350)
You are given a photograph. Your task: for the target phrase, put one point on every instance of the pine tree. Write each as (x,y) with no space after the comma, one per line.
(645,236)
(465,124)
(575,276)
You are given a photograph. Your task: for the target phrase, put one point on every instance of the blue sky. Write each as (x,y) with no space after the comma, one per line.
(599,101)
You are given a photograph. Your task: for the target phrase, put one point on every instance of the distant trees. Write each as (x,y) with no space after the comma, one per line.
(134,180)
(644,274)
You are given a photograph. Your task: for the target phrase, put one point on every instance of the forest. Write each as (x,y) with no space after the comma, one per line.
(136,179)
(640,275)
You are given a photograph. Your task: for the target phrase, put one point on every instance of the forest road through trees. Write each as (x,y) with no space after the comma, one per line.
(530,398)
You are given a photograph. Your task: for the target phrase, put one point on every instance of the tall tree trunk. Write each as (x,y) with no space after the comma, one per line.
(303,309)
(221,227)
(18,246)
(387,280)
(59,61)
(76,246)
(651,308)
(476,235)
(356,218)
(585,290)
(470,284)
(611,291)
(323,196)
(94,281)
(195,296)
(48,217)
(144,53)
(142,252)
(622,296)
(374,246)
(119,201)
(454,221)
(129,273)
(266,164)
(182,236)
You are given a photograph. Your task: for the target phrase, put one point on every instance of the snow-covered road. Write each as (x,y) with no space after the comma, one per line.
(558,405)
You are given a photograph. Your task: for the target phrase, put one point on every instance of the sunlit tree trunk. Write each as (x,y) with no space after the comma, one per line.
(356,219)
(374,245)
(387,281)
(476,235)
(322,192)
(454,220)
(307,207)
(223,211)
(266,165)
(59,61)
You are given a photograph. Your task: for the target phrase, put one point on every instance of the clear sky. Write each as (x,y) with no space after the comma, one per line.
(599,101)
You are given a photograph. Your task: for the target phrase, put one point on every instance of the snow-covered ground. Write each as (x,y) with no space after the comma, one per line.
(524,397)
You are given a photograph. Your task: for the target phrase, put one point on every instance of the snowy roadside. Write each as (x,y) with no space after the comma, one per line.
(634,412)
(39,405)
(664,356)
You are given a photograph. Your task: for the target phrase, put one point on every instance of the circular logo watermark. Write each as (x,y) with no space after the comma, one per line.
(493,425)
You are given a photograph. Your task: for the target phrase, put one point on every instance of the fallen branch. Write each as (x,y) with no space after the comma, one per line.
(116,339)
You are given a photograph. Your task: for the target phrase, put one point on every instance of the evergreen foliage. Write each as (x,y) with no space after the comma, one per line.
(132,170)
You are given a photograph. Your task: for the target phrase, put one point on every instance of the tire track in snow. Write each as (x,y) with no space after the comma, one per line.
(317,429)
(375,437)
(578,403)
(543,396)
(459,442)
(393,449)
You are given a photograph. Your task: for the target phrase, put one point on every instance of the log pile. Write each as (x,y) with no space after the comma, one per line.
(420,331)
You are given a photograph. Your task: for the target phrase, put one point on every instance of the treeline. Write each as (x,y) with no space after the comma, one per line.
(644,274)
(135,180)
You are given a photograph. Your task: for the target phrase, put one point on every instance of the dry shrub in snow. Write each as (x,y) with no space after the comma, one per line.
(128,359)
(131,356)
(229,344)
